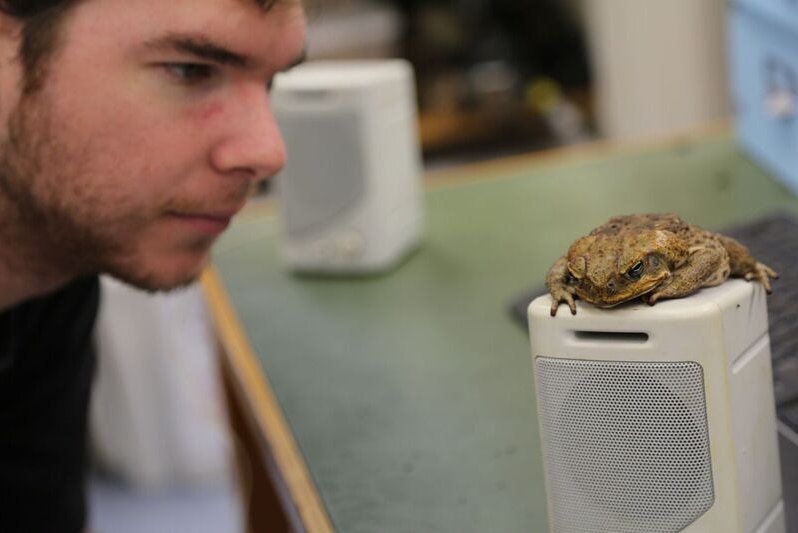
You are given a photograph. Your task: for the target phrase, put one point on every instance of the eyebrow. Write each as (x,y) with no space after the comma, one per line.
(204,48)
(201,48)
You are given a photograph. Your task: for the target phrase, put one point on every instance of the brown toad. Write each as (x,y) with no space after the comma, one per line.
(651,256)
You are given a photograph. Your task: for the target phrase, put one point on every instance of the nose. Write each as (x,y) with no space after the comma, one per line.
(252,145)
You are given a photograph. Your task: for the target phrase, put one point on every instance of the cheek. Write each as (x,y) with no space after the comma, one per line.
(131,155)
(117,176)
(201,115)
(134,163)
(127,130)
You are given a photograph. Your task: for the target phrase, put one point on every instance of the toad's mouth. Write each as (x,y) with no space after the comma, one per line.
(607,301)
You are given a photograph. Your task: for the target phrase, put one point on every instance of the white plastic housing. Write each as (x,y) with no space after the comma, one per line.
(629,397)
(350,194)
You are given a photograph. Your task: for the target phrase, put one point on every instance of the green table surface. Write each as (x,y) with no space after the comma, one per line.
(410,394)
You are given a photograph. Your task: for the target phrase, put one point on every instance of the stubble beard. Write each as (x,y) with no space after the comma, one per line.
(55,225)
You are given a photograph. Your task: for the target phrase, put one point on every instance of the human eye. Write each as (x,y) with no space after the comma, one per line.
(191,74)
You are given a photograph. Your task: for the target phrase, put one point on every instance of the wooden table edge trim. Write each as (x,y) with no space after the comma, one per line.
(252,379)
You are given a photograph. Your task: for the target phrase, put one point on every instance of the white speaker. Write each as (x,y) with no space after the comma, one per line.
(659,419)
(350,193)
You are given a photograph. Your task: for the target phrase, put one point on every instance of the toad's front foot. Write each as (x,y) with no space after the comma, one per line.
(763,274)
(559,296)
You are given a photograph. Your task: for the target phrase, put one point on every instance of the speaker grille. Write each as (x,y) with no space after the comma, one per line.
(626,444)
(325,175)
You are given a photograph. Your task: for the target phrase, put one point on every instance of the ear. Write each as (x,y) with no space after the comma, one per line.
(9,24)
(580,251)
(578,267)
(11,71)
(10,36)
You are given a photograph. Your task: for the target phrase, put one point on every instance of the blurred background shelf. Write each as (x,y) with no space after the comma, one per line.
(489,74)
(506,76)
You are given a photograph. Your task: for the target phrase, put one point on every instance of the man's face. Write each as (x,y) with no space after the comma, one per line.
(151,125)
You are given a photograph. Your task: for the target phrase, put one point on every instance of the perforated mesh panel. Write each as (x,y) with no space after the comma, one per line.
(325,175)
(626,445)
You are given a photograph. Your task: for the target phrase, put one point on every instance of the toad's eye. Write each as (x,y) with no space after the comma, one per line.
(635,272)
(570,279)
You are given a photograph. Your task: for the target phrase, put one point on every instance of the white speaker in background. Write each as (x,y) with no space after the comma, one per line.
(659,419)
(350,194)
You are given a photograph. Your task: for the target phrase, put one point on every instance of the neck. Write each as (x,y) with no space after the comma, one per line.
(28,266)
(25,270)
(17,287)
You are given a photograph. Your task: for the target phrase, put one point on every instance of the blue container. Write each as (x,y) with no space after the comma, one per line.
(764,74)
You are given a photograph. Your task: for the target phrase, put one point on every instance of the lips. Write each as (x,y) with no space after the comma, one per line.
(208,223)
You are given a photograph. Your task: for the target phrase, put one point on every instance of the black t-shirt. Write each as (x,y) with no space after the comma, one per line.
(46,369)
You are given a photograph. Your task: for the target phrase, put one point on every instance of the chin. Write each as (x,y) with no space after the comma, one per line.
(155,282)
(609,304)
(159,276)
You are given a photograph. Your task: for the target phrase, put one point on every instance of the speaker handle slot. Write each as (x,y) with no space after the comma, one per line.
(632,337)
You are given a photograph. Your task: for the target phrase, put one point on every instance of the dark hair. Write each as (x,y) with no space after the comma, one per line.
(42,21)
(41,24)
(27,8)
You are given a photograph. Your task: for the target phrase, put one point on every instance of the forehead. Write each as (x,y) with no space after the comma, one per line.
(265,34)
